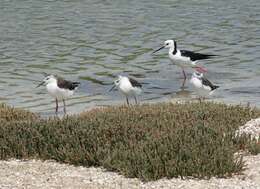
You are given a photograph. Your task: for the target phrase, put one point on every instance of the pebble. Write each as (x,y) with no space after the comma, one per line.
(49,174)
(251,128)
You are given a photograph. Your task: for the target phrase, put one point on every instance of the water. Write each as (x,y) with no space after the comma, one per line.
(93,41)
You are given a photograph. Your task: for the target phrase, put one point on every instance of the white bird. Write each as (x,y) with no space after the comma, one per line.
(184,58)
(202,85)
(128,87)
(59,88)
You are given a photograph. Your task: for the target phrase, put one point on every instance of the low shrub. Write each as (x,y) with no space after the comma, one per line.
(8,113)
(147,141)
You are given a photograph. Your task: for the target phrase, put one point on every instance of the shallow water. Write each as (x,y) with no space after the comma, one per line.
(94,41)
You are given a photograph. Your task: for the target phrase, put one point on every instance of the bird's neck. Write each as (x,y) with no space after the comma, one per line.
(52,83)
(173,50)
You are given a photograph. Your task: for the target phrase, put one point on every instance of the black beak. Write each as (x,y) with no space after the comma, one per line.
(112,88)
(40,84)
(158,49)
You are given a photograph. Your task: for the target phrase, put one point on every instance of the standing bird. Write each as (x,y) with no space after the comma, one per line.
(59,88)
(184,58)
(128,87)
(202,85)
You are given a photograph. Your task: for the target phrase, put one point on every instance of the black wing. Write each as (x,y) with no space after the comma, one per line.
(134,83)
(195,56)
(65,84)
(206,82)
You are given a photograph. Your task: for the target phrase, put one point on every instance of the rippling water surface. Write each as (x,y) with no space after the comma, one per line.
(95,40)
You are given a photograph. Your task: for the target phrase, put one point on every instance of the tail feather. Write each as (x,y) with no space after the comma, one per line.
(205,56)
(214,87)
(209,55)
(75,84)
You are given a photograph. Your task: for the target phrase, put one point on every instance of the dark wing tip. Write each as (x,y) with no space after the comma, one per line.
(206,82)
(76,84)
(65,84)
(212,55)
(214,87)
(135,83)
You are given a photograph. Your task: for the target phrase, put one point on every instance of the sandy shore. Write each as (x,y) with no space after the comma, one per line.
(49,174)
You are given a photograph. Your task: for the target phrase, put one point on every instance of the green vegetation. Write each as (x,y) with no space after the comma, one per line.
(147,141)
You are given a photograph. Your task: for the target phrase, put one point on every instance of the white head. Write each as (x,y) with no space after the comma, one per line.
(197,75)
(168,44)
(48,79)
(119,79)
(117,82)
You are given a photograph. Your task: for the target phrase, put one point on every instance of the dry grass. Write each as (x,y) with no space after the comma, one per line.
(8,113)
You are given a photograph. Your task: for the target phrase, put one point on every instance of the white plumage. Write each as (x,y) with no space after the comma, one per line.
(128,87)
(184,58)
(202,85)
(55,91)
(59,89)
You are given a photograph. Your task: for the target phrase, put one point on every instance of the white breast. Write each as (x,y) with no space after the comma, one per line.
(127,89)
(200,89)
(52,89)
(125,86)
(197,83)
(181,61)
(57,92)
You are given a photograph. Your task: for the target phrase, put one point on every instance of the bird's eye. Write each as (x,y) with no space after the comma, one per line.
(167,43)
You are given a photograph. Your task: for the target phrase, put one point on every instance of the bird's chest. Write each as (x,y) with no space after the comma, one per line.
(177,58)
(57,92)
(52,89)
(125,87)
(197,83)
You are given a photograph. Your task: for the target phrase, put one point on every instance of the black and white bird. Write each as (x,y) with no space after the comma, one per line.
(129,87)
(59,88)
(202,85)
(184,58)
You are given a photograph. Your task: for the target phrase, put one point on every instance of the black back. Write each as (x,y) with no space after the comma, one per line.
(134,83)
(206,82)
(65,84)
(195,56)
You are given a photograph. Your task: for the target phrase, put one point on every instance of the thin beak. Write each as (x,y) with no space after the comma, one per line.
(158,49)
(40,84)
(112,88)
